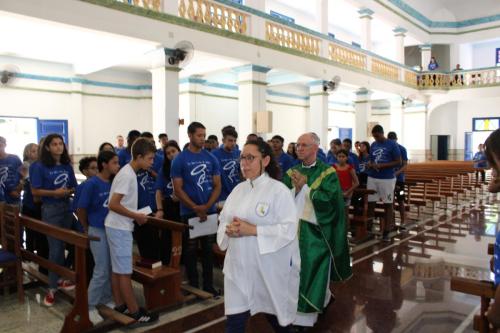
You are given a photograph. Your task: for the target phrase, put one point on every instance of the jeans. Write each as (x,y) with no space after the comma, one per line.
(99,291)
(190,255)
(57,214)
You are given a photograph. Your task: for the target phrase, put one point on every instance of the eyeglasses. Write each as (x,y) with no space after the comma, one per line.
(248,158)
(303,145)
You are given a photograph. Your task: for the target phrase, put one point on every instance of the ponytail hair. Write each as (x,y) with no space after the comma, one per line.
(273,169)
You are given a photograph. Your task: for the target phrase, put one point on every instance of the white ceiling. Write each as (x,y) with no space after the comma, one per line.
(455,10)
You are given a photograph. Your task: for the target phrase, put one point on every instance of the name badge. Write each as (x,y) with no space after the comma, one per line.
(262,209)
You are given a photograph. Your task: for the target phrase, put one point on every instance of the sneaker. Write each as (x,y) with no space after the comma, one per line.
(94,316)
(65,285)
(49,299)
(121,308)
(143,317)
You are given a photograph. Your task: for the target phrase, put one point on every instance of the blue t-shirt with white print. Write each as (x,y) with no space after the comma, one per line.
(384,152)
(354,161)
(230,170)
(9,177)
(124,156)
(197,171)
(164,185)
(94,198)
(285,161)
(52,178)
(146,190)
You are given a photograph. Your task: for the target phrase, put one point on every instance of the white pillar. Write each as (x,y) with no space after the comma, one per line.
(322,25)
(75,123)
(252,84)
(399,36)
(257,25)
(425,52)
(190,90)
(166,98)
(171,7)
(397,113)
(366,28)
(317,120)
(363,112)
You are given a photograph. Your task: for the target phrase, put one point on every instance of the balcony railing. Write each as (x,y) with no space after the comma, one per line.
(229,16)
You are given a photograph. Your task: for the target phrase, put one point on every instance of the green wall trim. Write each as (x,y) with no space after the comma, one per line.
(259,83)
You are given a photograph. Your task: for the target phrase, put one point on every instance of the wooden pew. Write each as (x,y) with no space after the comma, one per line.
(484,289)
(77,320)
(162,286)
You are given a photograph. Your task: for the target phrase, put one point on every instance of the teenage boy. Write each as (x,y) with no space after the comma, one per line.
(196,177)
(119,226)
(228,156)
(399,192)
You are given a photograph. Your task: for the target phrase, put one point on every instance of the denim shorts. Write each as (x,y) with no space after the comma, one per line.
(120,248)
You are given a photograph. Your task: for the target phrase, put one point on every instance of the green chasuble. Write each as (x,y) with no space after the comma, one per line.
(322,243)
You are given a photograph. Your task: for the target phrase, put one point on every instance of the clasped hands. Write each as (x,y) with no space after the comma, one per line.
(239,228)
(298,180)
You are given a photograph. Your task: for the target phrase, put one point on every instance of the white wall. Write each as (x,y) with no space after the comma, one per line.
(483,54)
(443,121)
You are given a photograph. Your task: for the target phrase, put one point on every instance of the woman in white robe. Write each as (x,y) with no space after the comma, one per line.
(258,227)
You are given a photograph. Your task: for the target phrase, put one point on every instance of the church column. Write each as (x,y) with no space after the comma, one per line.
(166,98)
(317,120)
(425,52)
(322,25)
(399,36)
(252,84)
(397,113)
(190,90)
(365,15)
(75,116)
(363,108)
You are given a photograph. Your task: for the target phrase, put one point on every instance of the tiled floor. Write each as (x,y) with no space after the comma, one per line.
(402,286)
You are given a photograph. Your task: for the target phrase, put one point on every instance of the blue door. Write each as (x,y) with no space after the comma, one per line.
(46,127)
(468,153)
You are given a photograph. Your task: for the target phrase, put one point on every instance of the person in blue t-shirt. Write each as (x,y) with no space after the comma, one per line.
(106,146)
(88,168)
(335,147)
(352,158)
(125,155)
(53,179)
(228,157)
(284,160)
(384,157)
(196,176)
(92,208)
(399,191)
(160,152)
(480,162)
(167,203)
(492,152)
(11,180)
(364,159)
(120,143)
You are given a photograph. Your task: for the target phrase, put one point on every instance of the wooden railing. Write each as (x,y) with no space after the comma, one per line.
(385,69)
(293,39)
(214,14)
(347,56)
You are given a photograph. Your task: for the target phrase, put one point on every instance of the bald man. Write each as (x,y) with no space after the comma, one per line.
(322,235)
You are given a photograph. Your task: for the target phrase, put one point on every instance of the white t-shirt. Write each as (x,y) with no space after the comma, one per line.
(124,183)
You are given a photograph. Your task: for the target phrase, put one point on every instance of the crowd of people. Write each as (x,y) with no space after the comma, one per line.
(285,210)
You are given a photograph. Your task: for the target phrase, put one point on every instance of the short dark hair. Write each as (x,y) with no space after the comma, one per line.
(148,135)
(279,138)
(194,126)
(162,135)
(227,127)
(392,136)
(133,134)
(213,137)
(229,131)
(347,140)
(85,162)
(142,146)
(336,142)
(492,147)
(377,129)
(104,157)
(104,144)
(342,151)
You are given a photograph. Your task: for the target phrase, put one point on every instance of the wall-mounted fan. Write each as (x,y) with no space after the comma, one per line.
(181,55)
(8,74)
(332,85)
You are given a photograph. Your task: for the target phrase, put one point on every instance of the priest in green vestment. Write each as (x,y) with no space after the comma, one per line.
(322,232)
